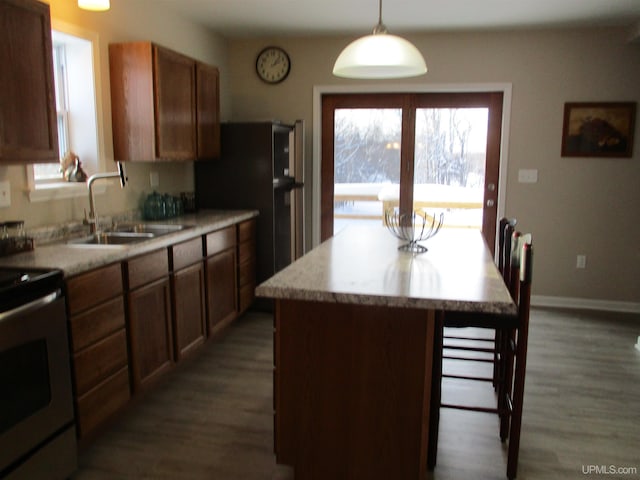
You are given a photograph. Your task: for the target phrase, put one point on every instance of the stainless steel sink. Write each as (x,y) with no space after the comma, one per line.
(112,238)
(153,228)
(126,234)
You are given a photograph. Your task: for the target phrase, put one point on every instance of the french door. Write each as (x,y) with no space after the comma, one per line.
(430,152)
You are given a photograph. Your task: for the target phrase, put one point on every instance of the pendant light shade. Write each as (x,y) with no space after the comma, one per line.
(94,5)
(380,55)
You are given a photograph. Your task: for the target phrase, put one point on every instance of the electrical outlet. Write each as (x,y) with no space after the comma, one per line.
(581,261)
(154,179)
(5,194)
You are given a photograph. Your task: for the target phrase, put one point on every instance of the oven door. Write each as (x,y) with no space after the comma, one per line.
(36,401)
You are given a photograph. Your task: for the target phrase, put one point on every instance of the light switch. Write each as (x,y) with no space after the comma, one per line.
(527,175)
(5,194)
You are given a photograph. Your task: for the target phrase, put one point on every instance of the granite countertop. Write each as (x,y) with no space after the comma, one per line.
(80,258)
(362,265)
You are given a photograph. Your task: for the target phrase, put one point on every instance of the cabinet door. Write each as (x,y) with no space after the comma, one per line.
(150,331)
(189,309)
(246,264)
(28,125)
(175,84)
(221,289)
(208,111)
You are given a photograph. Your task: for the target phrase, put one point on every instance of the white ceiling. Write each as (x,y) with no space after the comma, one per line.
(253,18)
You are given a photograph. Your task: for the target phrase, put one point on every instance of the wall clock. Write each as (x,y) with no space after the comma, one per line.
(273,65)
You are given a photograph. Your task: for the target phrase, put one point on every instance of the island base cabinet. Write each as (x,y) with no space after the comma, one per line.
(352,390)
(150,333)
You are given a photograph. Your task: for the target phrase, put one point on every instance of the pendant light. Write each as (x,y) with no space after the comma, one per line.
(380,55)
(94,5)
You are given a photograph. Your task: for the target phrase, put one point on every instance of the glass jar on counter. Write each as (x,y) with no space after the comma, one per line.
(153,207)
(13,229)
(169,206)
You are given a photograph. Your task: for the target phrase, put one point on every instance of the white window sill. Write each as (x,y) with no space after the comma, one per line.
(61,190)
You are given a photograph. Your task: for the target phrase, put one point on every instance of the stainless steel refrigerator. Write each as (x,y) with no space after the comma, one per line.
(261,166)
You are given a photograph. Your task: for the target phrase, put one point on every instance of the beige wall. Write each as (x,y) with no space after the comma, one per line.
(126,21)
(579,205)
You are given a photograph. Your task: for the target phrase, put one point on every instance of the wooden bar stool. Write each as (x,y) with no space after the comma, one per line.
(511,351)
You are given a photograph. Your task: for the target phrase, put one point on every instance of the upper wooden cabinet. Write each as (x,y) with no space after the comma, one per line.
(28,125)
(164,105)
(208,111)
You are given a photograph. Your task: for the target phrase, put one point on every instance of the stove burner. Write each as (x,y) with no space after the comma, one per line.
(7,279)
(20,285)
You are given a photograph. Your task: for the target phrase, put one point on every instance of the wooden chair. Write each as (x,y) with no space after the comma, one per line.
(512,365)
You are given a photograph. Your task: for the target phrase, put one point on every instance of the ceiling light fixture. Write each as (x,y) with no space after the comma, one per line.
(94,5)
(380,55)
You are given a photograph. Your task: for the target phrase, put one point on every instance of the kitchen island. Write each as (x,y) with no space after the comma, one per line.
(353,350)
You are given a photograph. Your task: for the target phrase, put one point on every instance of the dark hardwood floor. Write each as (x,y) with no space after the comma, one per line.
(212,418)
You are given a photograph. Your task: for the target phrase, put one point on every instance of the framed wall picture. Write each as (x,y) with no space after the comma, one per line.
(598,129)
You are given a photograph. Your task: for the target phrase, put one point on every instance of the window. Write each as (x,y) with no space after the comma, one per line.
(77,111)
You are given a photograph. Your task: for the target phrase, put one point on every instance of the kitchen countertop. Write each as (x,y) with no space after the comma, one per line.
(81,258)
(362,265)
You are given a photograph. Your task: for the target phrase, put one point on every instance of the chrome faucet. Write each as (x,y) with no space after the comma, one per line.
(92,221)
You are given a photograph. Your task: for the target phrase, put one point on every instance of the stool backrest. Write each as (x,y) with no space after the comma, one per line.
(506,229)
(520,244)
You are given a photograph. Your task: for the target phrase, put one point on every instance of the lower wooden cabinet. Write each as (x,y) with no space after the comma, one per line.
(222,289)
(130,322)
(189,309)
(102,402)
(188,291)
(246,264)
(150,332)
(149,317)
(98,346)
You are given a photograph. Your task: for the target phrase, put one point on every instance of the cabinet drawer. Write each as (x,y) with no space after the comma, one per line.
(246,251)
(247,272)
(220,240)
(93,364)
(89,289)
(96,323)
(147,268)
(246,230)
(186,253)
(100,403)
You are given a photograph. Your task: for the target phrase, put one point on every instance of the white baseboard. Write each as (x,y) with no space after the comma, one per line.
(584,303)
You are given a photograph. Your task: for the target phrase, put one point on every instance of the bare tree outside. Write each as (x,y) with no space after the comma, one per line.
(364,141)
(450,152)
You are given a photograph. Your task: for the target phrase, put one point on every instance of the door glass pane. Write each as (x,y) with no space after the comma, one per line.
(449,164)
(366,162)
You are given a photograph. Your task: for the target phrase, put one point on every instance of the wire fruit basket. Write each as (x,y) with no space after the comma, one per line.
(413,228)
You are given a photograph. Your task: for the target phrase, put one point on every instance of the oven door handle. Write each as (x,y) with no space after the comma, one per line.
(28,307)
